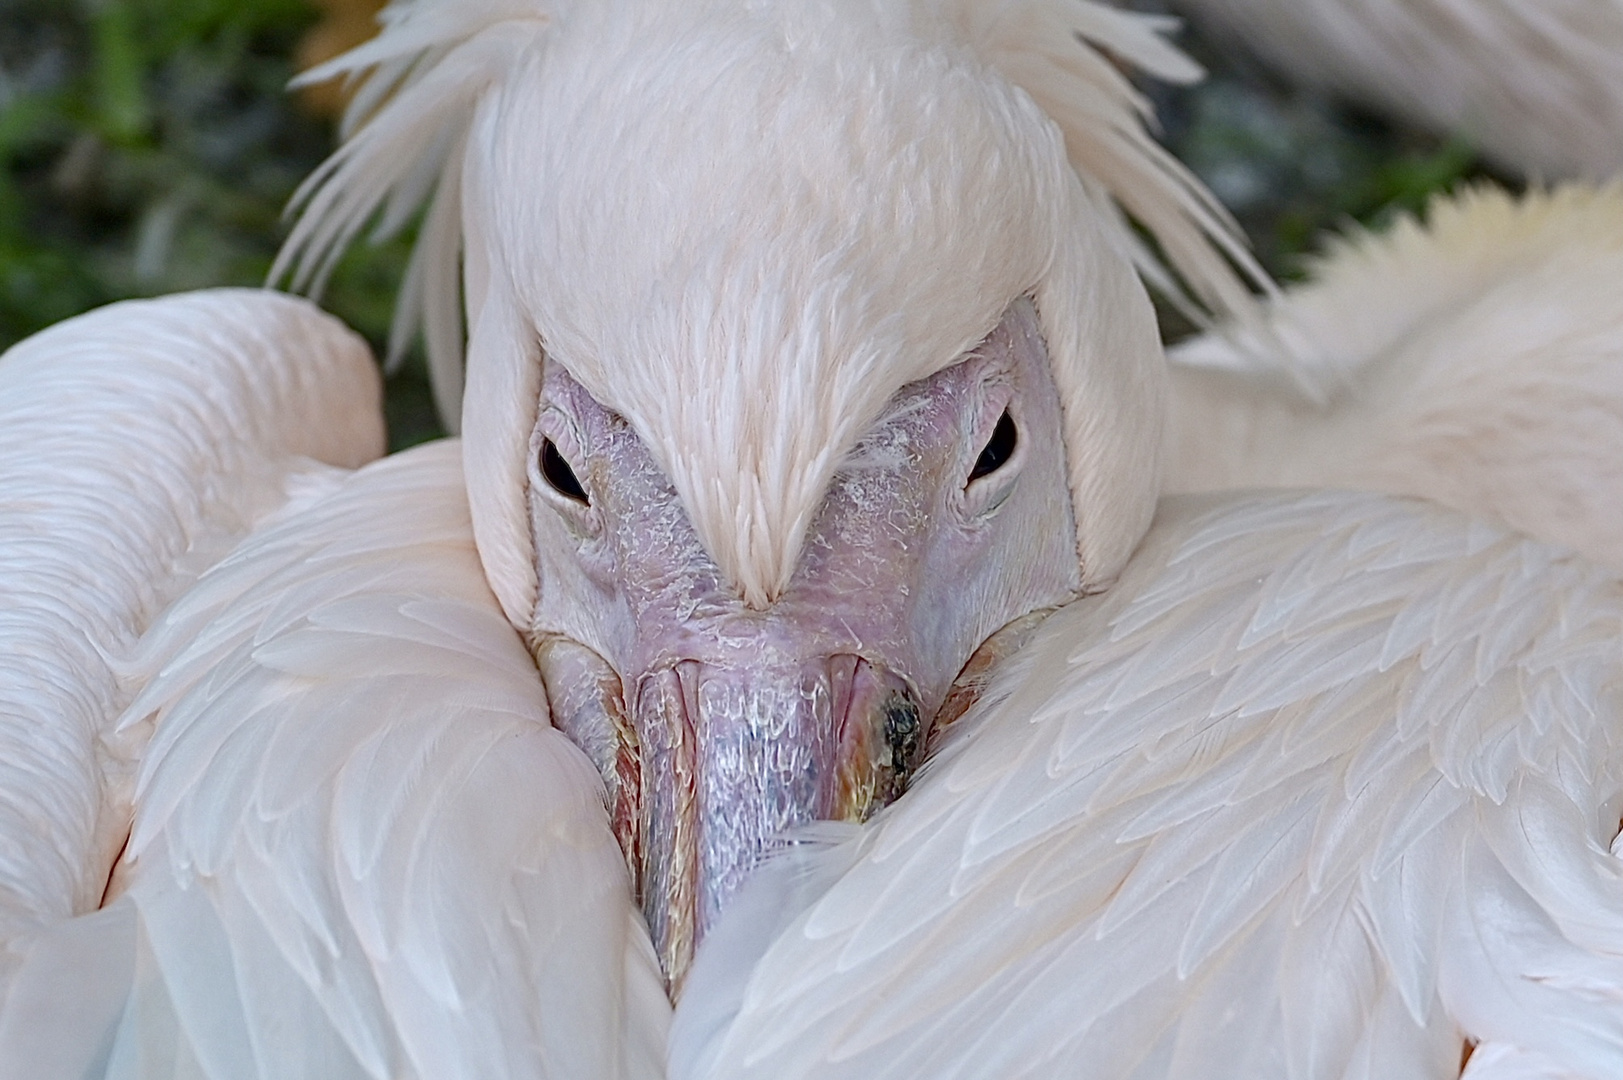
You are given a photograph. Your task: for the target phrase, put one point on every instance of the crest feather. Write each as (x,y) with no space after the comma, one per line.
(405,136)
(1070,55)
(421,79)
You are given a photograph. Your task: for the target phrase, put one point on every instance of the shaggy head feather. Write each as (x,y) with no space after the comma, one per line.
(745,225)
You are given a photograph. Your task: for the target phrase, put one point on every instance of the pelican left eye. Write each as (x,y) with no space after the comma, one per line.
(556,471)
(998,450)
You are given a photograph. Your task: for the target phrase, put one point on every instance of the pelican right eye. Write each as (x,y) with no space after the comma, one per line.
(557,473)
(998,450)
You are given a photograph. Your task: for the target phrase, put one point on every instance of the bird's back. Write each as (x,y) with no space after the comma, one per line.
(136,443)
(359,848)
(1476,360)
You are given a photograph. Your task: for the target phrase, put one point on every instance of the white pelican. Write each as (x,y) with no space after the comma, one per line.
(915,237)
(779,434)
(1537,84)
(647,199)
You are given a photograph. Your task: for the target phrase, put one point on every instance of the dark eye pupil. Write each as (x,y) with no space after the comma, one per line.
(999,448)
(557,472)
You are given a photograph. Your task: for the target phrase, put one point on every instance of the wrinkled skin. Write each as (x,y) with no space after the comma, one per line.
(717,727)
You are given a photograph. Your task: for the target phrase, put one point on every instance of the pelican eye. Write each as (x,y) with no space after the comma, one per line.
(556,471)
(998,450)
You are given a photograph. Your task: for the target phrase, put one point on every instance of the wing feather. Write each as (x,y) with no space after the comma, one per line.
(1471,359)
(137,442)
(1292,846)
(360,848)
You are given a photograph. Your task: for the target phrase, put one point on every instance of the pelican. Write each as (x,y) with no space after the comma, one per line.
(777,443)
(1535,85)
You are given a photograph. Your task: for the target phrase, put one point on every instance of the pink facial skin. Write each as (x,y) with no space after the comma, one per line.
(717,727)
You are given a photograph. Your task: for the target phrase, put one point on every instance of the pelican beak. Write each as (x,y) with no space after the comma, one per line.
(732,758)
(709,761)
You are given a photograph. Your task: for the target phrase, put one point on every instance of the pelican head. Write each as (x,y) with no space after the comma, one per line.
(803,366)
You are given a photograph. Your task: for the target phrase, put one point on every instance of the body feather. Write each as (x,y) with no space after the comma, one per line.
(1473,359)
(360,849)
(136,443)
(1360,847)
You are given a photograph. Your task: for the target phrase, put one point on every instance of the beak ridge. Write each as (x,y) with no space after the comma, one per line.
(733,758)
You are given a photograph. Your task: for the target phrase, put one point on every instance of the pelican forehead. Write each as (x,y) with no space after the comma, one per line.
(745,238)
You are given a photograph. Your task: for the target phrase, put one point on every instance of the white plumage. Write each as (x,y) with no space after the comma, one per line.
(353,793)
(1476,360)
(1324,784)
(1344,760)
(914,234)
(136,444)
(1323,788)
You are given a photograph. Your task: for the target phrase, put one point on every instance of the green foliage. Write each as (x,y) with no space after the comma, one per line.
(1294,165)
(146,146)
(149,146)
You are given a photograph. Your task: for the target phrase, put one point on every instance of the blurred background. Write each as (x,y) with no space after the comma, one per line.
(148,146)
